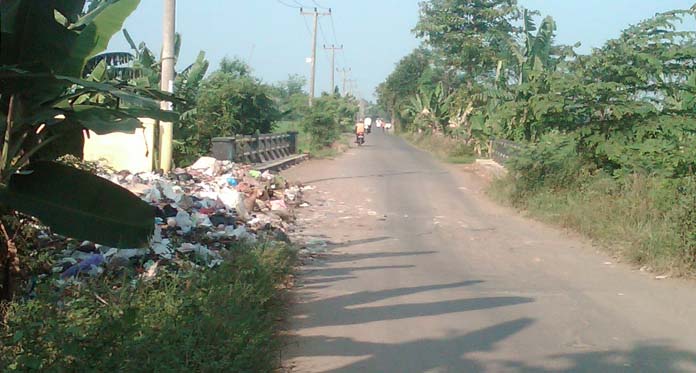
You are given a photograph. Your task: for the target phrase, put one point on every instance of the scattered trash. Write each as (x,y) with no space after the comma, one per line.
(661,277)
(200,211)
(150,270)
(83,266)
(183,221)
(278,205)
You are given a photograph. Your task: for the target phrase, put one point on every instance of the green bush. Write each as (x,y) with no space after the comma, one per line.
(229,102)
(214,320)
(327,118)
(553,163)
(320,125)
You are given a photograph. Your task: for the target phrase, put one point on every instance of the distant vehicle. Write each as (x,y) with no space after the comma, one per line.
(360,138)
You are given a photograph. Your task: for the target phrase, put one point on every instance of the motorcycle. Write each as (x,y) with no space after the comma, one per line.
(360,139)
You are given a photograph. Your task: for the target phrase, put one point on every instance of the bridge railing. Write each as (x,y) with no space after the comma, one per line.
(256,149)
(502,150)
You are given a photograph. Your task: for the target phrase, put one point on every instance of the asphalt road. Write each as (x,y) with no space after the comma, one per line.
(422,273)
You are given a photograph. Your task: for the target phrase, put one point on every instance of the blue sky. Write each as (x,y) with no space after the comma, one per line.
(274,38)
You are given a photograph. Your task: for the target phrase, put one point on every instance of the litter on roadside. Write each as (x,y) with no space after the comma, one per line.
(201,210)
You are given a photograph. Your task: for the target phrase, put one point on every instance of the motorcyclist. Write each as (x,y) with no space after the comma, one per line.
(359,130)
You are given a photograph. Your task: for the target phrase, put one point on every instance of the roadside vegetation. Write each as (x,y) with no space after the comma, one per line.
(608,139)
(323,129)
(202,320)
(445,148)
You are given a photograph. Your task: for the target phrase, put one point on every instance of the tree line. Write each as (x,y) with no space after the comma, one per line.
(229,101)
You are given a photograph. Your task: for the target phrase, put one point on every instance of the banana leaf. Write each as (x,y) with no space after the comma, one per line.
(79,204)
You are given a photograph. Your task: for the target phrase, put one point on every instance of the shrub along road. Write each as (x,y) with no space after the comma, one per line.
(423,273)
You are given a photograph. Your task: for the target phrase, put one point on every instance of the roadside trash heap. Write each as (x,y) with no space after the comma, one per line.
(201,211)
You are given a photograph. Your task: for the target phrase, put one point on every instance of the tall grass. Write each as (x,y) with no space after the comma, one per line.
(444,148)
(220,320)
(650,221)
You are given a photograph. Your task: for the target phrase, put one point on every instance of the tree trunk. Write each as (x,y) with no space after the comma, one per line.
(9,264)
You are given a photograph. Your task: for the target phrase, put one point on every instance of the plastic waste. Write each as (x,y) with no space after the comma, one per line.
(183,221)
(169,191)
(233,200)
(150,270)
(201,220)
(128,253)
(203,163)
(157,235)
(278,205)
(83,266)
(162,248)
(240,233)
(152,195)
(220,199)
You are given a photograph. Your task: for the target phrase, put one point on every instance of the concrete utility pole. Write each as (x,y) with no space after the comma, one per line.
(167,81)
(333,50)
(312,77)
(351,85)
(345,71)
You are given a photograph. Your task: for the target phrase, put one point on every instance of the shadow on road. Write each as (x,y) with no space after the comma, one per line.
(341,310)
(342,258)
(450,355)
(385,174)
(440,355)
(343,272)
(655,357)
(349,243)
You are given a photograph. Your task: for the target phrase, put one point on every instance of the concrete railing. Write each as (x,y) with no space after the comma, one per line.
(262,149)
(502,150)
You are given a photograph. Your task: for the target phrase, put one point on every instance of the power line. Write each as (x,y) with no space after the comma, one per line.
(323,37)
(335,36)
(288,5)
(319,5)
(333,50)
(309,32)
(333,29)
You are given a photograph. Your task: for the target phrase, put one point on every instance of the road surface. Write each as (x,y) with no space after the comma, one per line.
(422,273)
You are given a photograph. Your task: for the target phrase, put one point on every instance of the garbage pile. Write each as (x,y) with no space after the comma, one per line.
(201,211)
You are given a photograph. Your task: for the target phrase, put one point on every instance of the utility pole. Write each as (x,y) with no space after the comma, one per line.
(312,77)
(351,85)
(167,81)
(333,50)
(345,71)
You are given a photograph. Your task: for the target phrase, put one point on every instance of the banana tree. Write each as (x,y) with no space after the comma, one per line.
(535,54)
(430,107)
(44,101)
(140,67)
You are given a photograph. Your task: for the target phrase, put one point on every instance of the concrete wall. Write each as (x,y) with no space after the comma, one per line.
(123,151)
